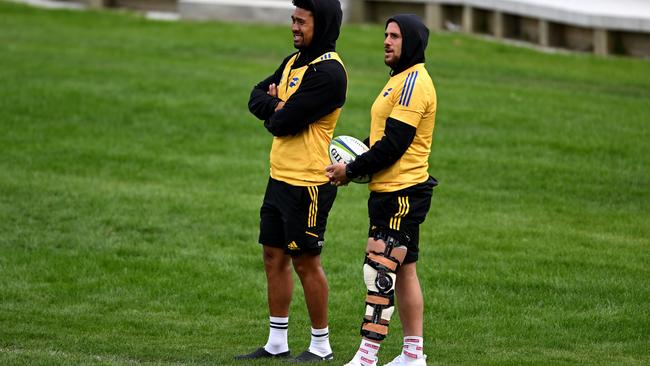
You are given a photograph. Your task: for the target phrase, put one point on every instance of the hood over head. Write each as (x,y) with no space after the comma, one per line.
(415,37)
(327,26)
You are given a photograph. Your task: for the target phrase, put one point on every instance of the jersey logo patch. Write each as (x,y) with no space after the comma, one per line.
(293,82)
(326,56)
(407,90)
(387,92)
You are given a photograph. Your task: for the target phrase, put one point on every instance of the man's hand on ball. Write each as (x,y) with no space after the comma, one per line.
(336,174)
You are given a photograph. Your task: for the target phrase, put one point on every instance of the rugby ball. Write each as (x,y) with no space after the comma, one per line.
(344,149)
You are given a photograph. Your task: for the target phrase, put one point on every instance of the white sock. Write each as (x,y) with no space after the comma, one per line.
(413,348)
(278,329)
(320,342)
(367,353)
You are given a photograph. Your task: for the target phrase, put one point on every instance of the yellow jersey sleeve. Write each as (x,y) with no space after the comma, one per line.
(413,100)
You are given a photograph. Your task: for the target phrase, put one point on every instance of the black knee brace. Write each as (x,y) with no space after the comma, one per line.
(380,272)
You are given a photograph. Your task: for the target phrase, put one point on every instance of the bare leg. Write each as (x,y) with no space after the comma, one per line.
(279,281)
(410,303)
(314,284)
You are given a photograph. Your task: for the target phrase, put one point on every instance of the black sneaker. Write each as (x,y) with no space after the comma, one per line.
(262,353)
(307,356)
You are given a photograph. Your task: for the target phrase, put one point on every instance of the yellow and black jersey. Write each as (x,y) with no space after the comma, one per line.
(301,159)
(408,97)
(314,93)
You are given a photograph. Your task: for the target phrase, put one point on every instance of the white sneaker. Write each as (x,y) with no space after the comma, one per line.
(402,360)
(357,362)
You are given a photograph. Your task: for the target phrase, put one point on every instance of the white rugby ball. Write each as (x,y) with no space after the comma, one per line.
(344,149)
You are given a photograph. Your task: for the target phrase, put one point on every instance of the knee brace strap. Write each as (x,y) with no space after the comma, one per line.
(379,307)
(378,261)
(375,332)
(391,238)
(383,247)
(372,299)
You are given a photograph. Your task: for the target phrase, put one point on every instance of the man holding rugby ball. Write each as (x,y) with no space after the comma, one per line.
(401,132)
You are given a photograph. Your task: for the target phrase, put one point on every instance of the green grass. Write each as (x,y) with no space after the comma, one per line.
(131,175)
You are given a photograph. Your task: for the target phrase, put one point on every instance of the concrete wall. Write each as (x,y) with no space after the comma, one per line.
(599,26)
(160,5)
(264,11)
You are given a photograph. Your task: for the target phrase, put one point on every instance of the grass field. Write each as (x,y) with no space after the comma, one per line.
(131,175)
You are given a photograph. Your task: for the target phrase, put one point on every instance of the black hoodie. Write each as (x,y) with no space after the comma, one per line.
(327,24)
(415,37)
(398,135)
(323,87)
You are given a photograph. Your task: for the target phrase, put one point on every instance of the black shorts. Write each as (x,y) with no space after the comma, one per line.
(294,217)
(400,213)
